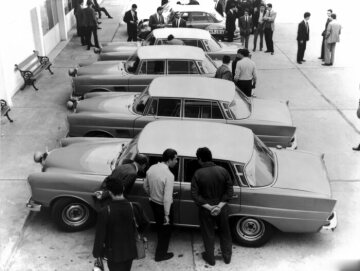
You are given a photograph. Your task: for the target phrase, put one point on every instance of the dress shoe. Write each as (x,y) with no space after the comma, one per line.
(110,17)
(303,60)
(272,53)
(260,49)
(254,50)
(99,28)
(88,48)
(165,257)
(227,259)
(320,58)
(299,62)
(205,258)
(326,64)
(356,148)
(267,51)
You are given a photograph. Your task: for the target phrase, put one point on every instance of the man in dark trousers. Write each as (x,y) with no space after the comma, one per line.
(79,16)
(157,20)
(159,185)
(90,25)
(223,72)
(245,73)
(131,19)
(302,37)
(178,21)
(98,9)
(269,27)
(245,25)
(233,64)
(230,23)
(258,22)
(211,189)
(322,55)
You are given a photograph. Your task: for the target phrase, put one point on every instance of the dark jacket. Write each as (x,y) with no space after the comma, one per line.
(89,18)
(182,23)
(115,231)
(230,21)
(219,8)
(233,66)
(303,32)
(128,17)
(326,25)
(211,184)
(223,72)
(256,16)
(127,174)
(245,27)
(154,22)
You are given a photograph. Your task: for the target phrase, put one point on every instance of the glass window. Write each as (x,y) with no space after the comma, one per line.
(169,107)
(132,64)
(202,109)
(197,17)
(141,101)
(212,45)
(153,107)
(157,159)
(48,12)
(152,67)
(150,40)
(69,5)
(240,106)
(182,67)
(209,18)
(207,66)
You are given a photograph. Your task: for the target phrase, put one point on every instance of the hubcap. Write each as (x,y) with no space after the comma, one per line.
(250,228)
(75,214)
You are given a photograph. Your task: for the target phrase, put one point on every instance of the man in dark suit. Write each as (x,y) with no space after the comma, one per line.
(302,37)
(98,9)
(219,7)
(90,25)
(230,23)
(258,21)
(157,20)
(322,55)
(245,25)
(131,19)
(178,21)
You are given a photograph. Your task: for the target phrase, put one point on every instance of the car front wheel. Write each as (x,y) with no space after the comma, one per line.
(72,214)
(251,231)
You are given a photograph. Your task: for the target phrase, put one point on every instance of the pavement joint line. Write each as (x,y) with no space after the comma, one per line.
(9,262)
(116,31)
(193,251)
(321,93)
(344,181)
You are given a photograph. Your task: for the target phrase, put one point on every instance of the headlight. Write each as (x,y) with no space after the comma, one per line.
(72,72)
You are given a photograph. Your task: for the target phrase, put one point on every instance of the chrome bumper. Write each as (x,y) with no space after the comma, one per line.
(332,223)
(293,144)
(33,206)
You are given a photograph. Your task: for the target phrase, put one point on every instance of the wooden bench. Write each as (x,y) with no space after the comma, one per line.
(5,109)
(31,67)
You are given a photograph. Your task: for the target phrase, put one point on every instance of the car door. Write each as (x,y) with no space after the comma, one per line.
(148,70)
(188,208)
(204,110)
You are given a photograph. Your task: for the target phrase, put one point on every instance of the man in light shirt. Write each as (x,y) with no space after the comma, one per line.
(245,73)
(159,185)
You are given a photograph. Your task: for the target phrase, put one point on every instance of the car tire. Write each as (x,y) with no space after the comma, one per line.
(251,231)
(98,134)
(72,215)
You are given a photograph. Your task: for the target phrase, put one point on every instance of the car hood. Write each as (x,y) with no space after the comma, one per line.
(102,67)
(123,47)
(107,104)
(270,111)
(229,48)
(85,157)
(298,170)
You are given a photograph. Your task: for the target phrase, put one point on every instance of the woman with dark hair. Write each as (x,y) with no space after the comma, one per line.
(115,230)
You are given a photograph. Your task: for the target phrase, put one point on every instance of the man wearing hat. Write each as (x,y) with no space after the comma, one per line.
(178,21)
(245,72)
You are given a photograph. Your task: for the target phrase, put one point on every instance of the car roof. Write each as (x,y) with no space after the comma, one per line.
(193,87)
(193,8)
(181,33)
(170,52)
(226,142)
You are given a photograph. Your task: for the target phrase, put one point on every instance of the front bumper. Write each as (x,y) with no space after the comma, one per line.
(33,206)
(294,144)
(331,224)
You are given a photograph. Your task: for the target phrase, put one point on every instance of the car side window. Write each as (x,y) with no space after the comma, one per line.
(182,67)
(153,107)
(153,67)
(209,18)
(169,107)
(202,109)
(192,165)
(190,42)
(198,17)
(157,159)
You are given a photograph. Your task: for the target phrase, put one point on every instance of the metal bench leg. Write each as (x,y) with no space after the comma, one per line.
(33,84)
(48,68)
(7,115)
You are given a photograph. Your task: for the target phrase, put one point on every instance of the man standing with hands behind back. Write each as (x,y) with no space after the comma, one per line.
(302,37)
(131,19)
(159,185)
(211,189)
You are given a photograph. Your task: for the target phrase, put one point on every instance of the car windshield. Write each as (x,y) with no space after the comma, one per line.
(212,45)
(141,101)
(207,65)
(260,170)
(218,18)
(128,152)
(132,63)
(241,105)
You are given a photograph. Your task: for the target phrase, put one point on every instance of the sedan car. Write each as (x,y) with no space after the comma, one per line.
(140,69)
(178,98)
(196,16)
(190,36)
(273,189)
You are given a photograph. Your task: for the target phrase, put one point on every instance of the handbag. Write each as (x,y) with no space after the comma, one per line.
(140,240)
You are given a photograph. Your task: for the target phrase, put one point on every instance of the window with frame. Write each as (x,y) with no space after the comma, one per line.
(182,67)
(157,159)
(202,110)
(169,107)
(153,107)
(199,17)
(153,67)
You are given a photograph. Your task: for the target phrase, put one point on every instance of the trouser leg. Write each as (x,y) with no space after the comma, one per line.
(94,32)
(207,232)
(266,32)
(224,232)
(245,86)
(246,42)
(271,42)
(230,36)
(256,33)
(120,266)
(327,53)
(261,33)
(332,48)
(105,11)
(322,55)
(88,36)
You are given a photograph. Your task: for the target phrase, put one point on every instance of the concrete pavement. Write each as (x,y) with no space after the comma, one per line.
(323,102)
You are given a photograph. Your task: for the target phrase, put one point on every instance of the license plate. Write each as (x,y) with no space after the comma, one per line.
(217,31)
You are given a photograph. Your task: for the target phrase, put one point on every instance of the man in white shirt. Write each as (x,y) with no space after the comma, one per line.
(245,73)
(159,185)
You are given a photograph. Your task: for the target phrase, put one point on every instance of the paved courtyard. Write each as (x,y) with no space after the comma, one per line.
(323,103)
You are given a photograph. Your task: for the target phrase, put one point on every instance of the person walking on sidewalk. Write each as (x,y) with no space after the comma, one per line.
(131,19)
(98,9)
(302,37)
(245,73)
(159,185)
(269,27)
(211,189)
(322,55)
(258,22)
(90,25)
(79,16)
(332,36)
